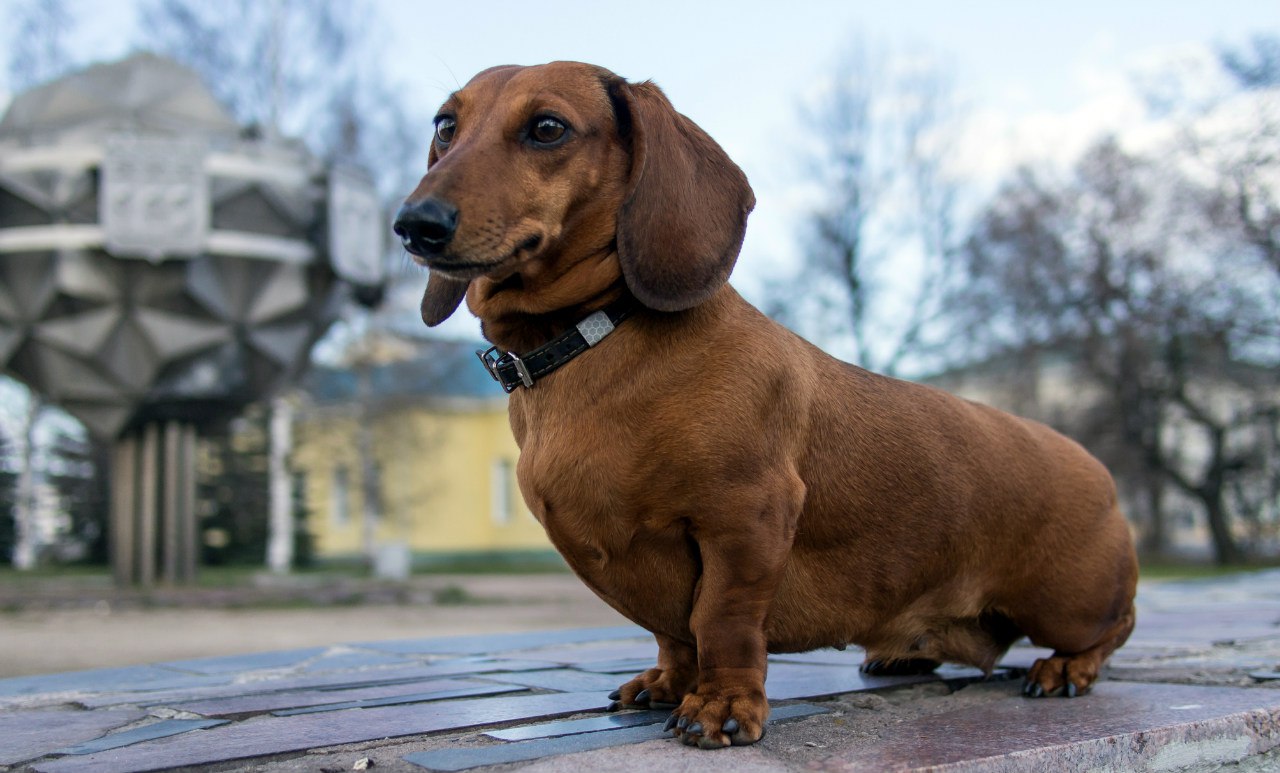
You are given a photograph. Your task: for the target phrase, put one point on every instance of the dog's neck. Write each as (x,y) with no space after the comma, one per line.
(534,304)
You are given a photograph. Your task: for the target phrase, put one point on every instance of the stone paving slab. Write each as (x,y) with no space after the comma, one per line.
(276,735)
(494,643)
(571,743)
(162,729)
(303,710)
(1117,727)
(245,705)
(36,733)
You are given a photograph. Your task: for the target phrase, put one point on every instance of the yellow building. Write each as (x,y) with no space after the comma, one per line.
(430,434)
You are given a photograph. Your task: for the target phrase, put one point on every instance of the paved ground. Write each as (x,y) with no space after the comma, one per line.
(46,631)
(1195,690)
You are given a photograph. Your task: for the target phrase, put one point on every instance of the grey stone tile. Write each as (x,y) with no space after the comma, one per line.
(797,680)
(251,662)
(336,680)
(582,653)
(522,751)
(345,661)
(162,729)
(30,734)
(490,643)
(575,726)
(1118,726)
(421,697)
(561,679)
(624,666)
(293,699)
(277,735)
(127,679)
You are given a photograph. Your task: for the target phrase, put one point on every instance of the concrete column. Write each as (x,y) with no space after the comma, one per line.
(123,513)
(148,494)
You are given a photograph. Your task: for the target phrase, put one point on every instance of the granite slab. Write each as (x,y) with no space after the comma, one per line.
(522,751)
(31,734)
(1118,726)
(575,726)
(243,705)
(333,680)
(255,661)
(561,680)
(423,697)
(279,735)
(493,643)
(162,729)
(126,679)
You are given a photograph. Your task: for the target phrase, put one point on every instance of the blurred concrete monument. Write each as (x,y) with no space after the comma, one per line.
(160,268)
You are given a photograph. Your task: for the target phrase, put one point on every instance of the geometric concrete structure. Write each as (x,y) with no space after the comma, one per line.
(159,265)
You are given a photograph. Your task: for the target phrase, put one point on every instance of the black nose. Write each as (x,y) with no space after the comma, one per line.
(426,227)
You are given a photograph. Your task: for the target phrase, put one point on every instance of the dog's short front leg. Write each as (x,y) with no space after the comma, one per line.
(742,561)
(666,685)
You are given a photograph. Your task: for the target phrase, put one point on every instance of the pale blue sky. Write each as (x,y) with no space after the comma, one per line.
(1039,78)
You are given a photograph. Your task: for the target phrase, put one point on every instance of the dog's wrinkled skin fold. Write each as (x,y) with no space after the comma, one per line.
(712,476)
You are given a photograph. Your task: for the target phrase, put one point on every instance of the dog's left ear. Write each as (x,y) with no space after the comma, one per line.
(681,225)
(441,298)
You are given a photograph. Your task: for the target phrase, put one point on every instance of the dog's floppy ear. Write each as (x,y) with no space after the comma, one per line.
(441,298)
(682,223)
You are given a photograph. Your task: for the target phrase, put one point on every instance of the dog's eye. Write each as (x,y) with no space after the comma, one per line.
(547,130)
(445,128)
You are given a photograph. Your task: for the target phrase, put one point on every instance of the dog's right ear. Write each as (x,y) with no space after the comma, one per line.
(442,298)
(682,223)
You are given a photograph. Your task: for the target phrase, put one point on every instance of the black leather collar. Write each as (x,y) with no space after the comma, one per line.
(513,371)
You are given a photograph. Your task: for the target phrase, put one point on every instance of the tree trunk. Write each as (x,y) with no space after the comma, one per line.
(1225,550)
(1156,540)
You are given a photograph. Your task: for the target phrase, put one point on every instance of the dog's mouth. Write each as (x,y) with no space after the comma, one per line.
(454,267)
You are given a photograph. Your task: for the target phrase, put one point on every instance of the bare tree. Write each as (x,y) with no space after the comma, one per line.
(299,68)
(1126,267)
(39,49)
(881,245)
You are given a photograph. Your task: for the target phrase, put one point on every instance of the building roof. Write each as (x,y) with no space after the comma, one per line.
(438,369)
(144,91)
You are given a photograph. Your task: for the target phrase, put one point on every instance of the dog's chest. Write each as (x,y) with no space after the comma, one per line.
(603,512)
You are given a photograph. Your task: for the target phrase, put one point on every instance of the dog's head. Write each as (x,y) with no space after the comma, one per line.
(545,184)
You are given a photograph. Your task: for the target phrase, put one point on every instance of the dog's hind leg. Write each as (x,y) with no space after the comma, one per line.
(665,686)
(1072,674)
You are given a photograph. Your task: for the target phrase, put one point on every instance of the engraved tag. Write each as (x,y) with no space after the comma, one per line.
(154,201)
(356,228)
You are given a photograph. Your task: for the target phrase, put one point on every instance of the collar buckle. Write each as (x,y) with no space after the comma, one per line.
(494,361)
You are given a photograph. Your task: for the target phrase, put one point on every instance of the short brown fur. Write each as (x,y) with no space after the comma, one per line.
(717,479)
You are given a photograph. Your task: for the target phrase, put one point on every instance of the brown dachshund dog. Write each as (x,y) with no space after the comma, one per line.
(710,475)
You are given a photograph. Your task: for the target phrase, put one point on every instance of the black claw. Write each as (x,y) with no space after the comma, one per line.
(1071,690)
(671,722)
(682,723)
(730,726)
(871,666)
(615,695)
(1036,691)
(642,697)
(613,706)
(695,729)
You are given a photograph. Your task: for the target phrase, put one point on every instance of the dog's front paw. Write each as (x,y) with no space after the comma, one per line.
(714,717)
(657,688)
